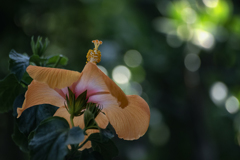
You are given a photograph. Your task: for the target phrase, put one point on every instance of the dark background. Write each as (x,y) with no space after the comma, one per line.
(183,57)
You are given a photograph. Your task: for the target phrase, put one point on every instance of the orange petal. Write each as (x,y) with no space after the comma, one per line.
(40,93)
(129,123)
(95,81)
(102,120)
(55,78)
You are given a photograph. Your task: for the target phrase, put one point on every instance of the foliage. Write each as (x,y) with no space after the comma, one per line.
(15,82)
(105,147)
(18,63)
(51,138)
(9,89)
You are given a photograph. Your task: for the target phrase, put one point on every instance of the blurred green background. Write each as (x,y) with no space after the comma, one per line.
(181,56)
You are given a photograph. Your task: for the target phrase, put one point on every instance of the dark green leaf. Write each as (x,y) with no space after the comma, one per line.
(108,132)
(20,139)
(32,116)
(18,63)
(90,155)
(18,103)
(9,89)
(26,78)
(107,148)
(51,139)
(52,60)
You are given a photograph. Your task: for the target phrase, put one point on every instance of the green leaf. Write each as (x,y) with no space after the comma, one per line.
(20,139)
(32,116)
(107,148)
(57,59)
(18,63)
(51,139)
(38,60)
(9,89)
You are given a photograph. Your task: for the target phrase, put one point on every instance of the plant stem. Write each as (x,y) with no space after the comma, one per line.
(59,59)
(71,119)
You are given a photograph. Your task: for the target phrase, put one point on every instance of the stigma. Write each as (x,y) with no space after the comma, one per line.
(94,55)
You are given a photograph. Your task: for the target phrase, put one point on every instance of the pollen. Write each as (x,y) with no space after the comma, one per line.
(94,55)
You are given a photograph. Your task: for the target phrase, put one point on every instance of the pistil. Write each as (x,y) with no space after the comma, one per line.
(94,55)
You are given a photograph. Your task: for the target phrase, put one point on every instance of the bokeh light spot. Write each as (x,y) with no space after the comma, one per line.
(218,92)
(189,15)
(210,3)
(159,135)
(138,74)
(184,32)
(192,62)
(164,25)
(137,153)
(203,39)
(232,104)
(121,74)
(132,58)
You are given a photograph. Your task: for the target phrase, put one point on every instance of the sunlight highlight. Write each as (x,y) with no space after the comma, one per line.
(203,39)
(121,74)
(232,104)
(218,92)
(210,3)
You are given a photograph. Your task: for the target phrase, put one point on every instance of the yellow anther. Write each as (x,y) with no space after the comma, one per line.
(94,55)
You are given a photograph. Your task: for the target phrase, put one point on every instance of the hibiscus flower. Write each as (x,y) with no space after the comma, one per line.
(129,115)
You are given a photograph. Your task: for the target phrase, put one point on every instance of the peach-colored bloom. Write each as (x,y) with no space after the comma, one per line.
(129,115)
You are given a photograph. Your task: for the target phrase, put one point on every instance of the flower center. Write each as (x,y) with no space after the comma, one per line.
(94,55)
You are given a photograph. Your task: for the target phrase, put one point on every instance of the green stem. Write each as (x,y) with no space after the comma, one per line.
(58,61)
(71,119)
